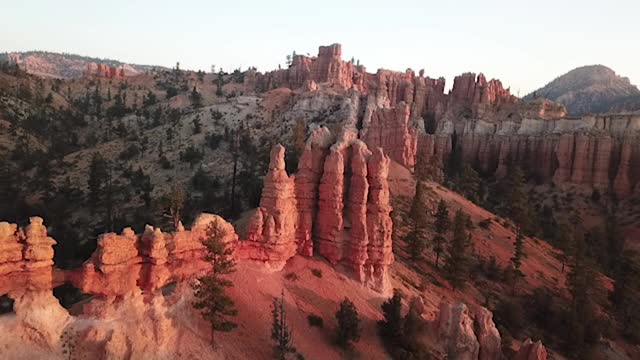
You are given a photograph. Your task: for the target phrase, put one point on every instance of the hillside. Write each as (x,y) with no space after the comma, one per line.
(66,66)
(314,168)
(591,89)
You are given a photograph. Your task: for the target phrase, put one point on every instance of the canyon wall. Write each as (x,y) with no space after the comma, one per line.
(336,205)
(410,116)
(602,152)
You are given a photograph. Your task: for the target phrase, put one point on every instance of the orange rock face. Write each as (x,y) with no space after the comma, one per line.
(530,350)
(128,262)
(389,129)
(104,71)
(26,257)
(347,185)
(468,336)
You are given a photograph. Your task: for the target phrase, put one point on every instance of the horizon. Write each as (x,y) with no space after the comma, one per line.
(236,36)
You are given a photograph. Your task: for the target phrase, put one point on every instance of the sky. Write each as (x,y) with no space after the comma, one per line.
(525,44)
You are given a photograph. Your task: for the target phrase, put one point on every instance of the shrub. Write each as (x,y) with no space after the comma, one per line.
(165,163)
(291,276)
(317,273)
(510,314)
(130,152)
(315,321)
(485,223)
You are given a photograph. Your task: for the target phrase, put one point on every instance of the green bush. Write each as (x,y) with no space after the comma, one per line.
(315,321)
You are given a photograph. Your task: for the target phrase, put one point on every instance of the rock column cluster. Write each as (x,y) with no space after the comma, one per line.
(347,184)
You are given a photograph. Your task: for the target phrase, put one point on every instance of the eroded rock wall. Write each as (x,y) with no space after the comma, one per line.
(336,205)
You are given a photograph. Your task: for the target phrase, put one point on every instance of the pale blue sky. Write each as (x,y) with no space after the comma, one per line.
(523,43)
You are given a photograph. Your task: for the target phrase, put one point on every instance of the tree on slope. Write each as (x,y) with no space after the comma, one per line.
(442,226)
(210,291)
(280,332)
(416,238)
(457,265)
(582,283)
(626,295)
(348,323)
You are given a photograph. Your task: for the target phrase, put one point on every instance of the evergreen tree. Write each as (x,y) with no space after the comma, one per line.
(173,203)
(442,226)
(220,83)
(215,305)
(348,323)
(517,205)
(416,238)
(196,98)
(626,295)
(582,285)
(280,333)
(97,176)
(457,265)
(469,183)
(615,240)
(518,251)
(564,240)
(415,244)
(392,326)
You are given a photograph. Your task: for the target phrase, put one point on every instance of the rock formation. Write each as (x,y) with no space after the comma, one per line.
(347,184)
(591,151)
(26,257)
(327,68)
(408,115)
(128,262)
(530,350)
(104,71)
(467,336)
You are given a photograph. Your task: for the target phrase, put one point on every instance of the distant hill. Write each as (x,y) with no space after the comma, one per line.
(591,89)
(66,66)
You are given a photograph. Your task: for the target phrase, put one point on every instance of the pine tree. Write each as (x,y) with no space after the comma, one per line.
(280,332)
(442,226)
(564,240)
(615,240)
(517,199)
(416,238)
(518,252)
(582,285)
(348,323)
(173,203)
(97,176)
(626,295)
(457,265)
(196,98)
(220,83)
(469,183)
(415,244)
(215,305)
(391,327)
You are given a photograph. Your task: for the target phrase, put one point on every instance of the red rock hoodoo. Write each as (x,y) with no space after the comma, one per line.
(347,183)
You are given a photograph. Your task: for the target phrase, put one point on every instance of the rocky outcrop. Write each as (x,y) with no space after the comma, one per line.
(530,350)
(104,71)
(272,226)
(390,130)
(327,68)
(468,336)
(599,152)
(128,262)
(26,257)
(487,334)
(347,184)
(455,329)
